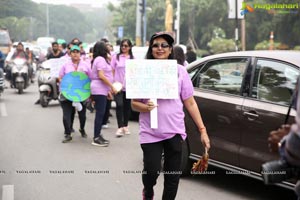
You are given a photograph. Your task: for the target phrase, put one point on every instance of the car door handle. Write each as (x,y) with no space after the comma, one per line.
(251,116)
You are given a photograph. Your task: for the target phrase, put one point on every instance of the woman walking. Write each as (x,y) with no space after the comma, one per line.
(101,87)
(168,137)
(122,104)
(75,64)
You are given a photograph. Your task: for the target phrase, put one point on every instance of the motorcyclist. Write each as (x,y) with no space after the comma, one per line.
(19,53)
(55,52)
(30,62)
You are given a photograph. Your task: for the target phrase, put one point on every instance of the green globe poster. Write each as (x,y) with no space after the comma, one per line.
(75,86)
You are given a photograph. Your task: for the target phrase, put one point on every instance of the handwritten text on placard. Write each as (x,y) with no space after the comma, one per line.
(151,79)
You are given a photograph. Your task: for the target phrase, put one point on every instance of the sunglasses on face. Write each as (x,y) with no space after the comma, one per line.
(124,45)
(163,45)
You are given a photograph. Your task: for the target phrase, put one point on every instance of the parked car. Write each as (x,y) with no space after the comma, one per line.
(242,96)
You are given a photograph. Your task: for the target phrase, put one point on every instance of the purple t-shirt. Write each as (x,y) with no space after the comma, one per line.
(119,67)
(170,113)
(97,85)
(69,67)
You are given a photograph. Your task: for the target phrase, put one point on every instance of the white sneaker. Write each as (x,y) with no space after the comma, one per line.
(120,132)
(126,130)
(105,126)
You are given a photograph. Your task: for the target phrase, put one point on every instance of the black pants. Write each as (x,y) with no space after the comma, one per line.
(100,106)
(69,115)
(123,106)
(107,111)
(152,155)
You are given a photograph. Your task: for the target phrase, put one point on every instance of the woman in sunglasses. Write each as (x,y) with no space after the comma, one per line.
(168,137)
(122,104)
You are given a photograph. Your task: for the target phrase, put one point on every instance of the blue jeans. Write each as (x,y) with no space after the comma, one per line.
(100,107)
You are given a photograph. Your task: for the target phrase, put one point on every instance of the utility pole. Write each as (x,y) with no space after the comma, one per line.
(177,23)
(234,7)
(236,26)
(138,25)
(142,15)
(243,34)
(271,47)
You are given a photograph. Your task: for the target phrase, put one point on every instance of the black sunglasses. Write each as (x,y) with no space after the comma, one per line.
(163,45)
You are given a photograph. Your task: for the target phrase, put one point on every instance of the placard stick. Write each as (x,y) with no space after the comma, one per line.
(153,115)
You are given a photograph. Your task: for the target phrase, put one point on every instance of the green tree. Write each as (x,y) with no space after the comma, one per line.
(26,20)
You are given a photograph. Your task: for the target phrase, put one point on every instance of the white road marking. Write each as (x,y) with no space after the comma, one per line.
(8,192)
(3,111)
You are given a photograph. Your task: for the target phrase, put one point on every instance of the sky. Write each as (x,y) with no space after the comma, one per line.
(94,3)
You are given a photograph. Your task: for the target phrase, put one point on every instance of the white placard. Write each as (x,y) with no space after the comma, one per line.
(54,65)
(151,79)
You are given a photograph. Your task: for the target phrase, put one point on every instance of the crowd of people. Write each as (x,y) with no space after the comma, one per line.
(106,68)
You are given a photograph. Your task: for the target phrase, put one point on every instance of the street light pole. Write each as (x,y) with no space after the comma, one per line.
(138,28)
(47,19)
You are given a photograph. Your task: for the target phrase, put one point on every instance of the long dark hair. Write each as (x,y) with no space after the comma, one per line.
(100,49)
(149,52)
(129,44)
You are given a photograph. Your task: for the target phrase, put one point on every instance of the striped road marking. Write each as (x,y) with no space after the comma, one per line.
(3,111)
(8,192)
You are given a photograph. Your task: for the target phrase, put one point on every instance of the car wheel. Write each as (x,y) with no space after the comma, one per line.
(186,162)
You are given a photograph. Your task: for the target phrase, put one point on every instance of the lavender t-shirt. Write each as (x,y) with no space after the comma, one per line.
(97,85)
(170,113)
(69,67)
(119,67)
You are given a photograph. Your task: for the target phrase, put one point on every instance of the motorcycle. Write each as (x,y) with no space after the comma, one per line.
(19,74)
(48,87)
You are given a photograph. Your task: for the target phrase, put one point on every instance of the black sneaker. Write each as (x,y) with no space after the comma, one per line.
(83,133)
(104,140)
(37,102)
(68,138)
(100,141)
